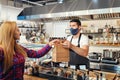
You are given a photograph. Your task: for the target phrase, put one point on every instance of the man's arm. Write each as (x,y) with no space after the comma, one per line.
(83,51)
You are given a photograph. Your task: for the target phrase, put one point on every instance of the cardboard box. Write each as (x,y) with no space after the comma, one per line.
(60,54)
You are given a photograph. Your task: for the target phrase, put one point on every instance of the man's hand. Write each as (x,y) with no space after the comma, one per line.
(66,44)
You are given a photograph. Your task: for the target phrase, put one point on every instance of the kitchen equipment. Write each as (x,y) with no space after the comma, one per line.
(95,66)
(109,61)
(95,57)
(110,57)
(100,30)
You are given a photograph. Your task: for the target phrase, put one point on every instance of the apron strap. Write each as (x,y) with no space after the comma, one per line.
(78,40)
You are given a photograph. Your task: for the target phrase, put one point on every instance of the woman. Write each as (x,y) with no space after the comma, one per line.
(12,55)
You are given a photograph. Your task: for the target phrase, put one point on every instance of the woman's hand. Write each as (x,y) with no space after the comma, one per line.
(53,42)
(66,44)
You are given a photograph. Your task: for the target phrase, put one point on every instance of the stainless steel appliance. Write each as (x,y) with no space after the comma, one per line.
(95,57)
(109,56)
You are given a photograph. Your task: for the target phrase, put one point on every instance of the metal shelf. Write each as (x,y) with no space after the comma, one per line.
(28,27)
(105,67)
(113,45)
(92,33)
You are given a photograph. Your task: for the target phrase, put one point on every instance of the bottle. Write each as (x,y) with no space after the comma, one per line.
(74,75)
(101,76)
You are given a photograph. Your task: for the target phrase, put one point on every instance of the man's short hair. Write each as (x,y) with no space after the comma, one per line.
(77,21)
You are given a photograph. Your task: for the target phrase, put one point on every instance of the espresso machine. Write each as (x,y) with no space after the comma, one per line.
(110,57)
(95,57)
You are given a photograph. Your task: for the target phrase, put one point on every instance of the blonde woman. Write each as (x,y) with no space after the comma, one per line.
(12,55)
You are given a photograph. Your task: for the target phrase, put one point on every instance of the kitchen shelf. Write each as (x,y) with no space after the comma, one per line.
(113,45)
(92,33)
(27,27)
(99,33)
(32,45)
(115,32)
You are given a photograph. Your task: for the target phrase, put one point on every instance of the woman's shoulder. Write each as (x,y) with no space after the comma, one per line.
(1,53)
(1,49)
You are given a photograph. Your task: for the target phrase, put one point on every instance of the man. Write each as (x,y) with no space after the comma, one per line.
(78,45)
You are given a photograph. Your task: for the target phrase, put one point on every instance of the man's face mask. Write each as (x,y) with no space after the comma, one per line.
(74,31)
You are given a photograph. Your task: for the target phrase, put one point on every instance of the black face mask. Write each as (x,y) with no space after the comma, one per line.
(74,31)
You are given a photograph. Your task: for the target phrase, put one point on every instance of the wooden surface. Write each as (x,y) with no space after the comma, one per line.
(107,75)
(27,77)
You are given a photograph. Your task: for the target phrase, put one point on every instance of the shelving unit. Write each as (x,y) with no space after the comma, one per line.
(91,33)
(98,35)
(28,27)
(113,45)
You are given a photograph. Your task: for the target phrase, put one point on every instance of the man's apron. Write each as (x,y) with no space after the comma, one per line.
(76,59)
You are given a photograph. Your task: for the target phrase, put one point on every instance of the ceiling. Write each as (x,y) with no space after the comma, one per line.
(70,7)
(87,4)
(36,0)
(29,3)
(90,4)
(42,2)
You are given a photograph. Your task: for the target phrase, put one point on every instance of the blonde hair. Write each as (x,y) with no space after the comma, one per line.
(8,43)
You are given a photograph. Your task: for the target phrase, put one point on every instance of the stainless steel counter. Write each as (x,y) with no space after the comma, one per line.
(105,67)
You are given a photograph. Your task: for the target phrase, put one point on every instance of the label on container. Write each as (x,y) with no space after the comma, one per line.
(82,67)
(72,66)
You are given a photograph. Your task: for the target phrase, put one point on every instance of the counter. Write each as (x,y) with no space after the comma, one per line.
(106,75)
(27,77)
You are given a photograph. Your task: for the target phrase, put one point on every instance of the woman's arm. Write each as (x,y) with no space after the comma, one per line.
(39,53)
